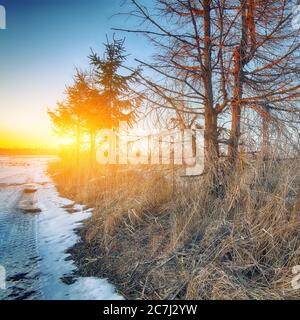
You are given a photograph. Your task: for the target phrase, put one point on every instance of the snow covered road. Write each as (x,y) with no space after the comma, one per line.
(32,247)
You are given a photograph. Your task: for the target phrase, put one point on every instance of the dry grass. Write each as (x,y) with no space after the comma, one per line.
(238,239)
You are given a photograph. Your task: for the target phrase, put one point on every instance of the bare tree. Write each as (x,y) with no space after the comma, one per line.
(266,65)
(219,57)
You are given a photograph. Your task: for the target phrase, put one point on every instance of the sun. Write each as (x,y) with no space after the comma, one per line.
(65,141)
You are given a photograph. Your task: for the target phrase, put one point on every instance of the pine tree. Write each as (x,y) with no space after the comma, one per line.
(97,101)
(114,87)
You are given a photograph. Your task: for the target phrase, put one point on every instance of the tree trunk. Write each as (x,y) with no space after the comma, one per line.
(211,148)
(240,57)
(78,141)
(211,151)
(235,132)
(92,146)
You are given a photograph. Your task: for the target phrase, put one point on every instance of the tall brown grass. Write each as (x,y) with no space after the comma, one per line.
(235,239)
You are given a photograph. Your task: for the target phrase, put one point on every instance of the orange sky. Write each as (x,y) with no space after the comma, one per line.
(27,138)
(24,121)
(38,59)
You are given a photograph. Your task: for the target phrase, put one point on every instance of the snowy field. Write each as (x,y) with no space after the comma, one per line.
(32,247)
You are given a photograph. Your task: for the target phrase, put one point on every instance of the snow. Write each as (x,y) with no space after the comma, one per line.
(55,234)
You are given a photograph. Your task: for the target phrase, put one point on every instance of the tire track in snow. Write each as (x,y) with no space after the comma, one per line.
(18,249)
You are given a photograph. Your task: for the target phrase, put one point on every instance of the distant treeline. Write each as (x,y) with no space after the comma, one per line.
(27,151)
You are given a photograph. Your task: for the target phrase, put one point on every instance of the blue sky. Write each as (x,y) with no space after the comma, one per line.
(43,43)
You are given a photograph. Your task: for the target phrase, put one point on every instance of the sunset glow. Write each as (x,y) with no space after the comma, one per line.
(36,64)
(25,137)
(149,152)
